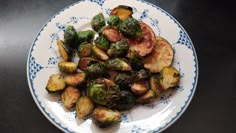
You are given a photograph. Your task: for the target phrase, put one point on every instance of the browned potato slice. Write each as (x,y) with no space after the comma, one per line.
(122,11)
(146,98)
(69,96)
(75,79)
(84,107)
(55,83)
(112,34)
(139,88)
(169,78)
(162,56)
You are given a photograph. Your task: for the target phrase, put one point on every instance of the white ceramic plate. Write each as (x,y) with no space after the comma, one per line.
(154,117)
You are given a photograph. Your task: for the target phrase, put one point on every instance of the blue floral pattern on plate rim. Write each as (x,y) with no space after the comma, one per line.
(33,67)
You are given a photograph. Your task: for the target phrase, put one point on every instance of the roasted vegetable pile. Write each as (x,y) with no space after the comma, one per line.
(122,63)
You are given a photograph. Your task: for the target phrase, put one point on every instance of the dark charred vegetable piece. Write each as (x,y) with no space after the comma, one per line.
(111,33)
(85,62)
(118,64)
(86,36)
(118,49)
(69,96)
(123,80)
(71,37)
(84,107)
(139,88)
(113,20)
(130,28)
(142,74)
(103,91)
(126,101)
(154,83)
(75,80)
(85,49)
(137,61)
(104,117)
(169,77)
(67,67)
(98,21)
(96,70)
(99,53)
(122,11)
(161,56)
(146,98)
(55,83)
(65,52)
(102,42)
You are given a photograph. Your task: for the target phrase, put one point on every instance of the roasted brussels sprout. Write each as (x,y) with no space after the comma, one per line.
(112,34)
(130,28)
(122,11)
(104,117)
(103,91)
(136,61)
(99,53)
(67,67)
(142,74)
(126,101)
(86,36)
(55,83)
(146,98)
(154,83)
(123,80)
(98,21)
(84,107)
(118,49)
(139,88)
(96,70)
(85,62)
(113,20)
(85,49)
(102,42)
(77,79)
(71,37)
(169,77)
(118,64)
(69,96)
(65,52)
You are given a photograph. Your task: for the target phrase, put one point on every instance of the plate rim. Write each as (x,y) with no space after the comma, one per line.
(160,129)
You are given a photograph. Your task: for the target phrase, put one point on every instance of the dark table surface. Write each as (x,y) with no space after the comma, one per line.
(210,25)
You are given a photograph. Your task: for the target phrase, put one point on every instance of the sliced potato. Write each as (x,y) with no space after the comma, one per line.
(139,88)
(67,67)
(55,83)
(162,56)
(84,107)
(65,53)
(147,97)
(169,78)
(75,79)
(69,96)
(99,53)
(122,11)
(154,84)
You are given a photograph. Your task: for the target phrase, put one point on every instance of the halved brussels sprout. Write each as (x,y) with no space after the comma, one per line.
(86,36)
(141,74)
(85,62)
(122,11)
(123,80)
(118,49)
(104,117)
(139,88)
(77,79)
(118,64)
(65,52)
(71,37)
(99,53)
(136,60)
(113,20)
(169,77)
(130,28)
(67,67)
(146,98)
(102,42)
(98,21)
(126,101)
(85,49)
(69,96)
(154,83)
(96,70)
(55,83)
(84,107)
(111,33)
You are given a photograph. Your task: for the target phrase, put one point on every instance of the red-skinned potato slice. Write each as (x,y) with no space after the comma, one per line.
(162,56)
(145,45)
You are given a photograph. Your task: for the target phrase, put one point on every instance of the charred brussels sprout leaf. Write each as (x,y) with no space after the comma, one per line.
(142,74)
(118,49)
(104,117)
(123,80)
(102,42)
(84,107)
(67,67)
(130,28)
(69,96)
(113,20)
(169,77)
(86,36)
(118,64)
(97,70)
(65,51)
(137,61)
(98,21)
(55,83)
(126,101)
(71,37)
